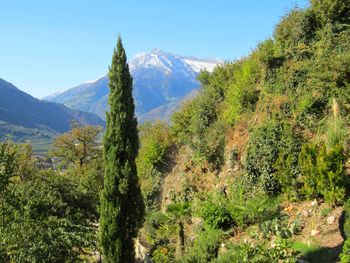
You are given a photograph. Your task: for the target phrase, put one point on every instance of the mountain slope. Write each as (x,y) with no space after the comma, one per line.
(20,109)
(160,78)
(165,111)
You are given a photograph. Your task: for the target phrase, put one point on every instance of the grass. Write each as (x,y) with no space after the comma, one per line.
(326,211)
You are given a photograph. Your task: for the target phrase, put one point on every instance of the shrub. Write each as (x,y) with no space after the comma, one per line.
(323,172)
(163,254)
(242,93)
(258,253)
(197,123)
(298,26)
(308,167)
(249,204)
(155,141)
(280,227)
(265,145)
(205,247)
(244,204)
(331,11)
(216,215)
(345,254)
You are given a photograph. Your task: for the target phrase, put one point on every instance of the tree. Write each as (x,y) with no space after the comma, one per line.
(79,146)
(332,11)
(7,171)
(50,218)
(122,207)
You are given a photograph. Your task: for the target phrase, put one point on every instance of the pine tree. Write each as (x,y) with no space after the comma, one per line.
(122,206)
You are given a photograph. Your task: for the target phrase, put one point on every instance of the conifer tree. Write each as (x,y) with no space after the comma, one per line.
(122,207)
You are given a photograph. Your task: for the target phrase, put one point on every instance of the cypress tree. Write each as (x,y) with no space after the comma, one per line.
(122,207)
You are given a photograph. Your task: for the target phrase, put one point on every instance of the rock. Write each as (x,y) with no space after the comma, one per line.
(315,232)
(314,203)
(273,243)
(306,213)
(236,168)
(330,220)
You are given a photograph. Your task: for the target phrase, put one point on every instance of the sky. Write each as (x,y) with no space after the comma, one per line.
(50,45)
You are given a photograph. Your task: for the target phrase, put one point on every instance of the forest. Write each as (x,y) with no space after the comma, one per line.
(255,168)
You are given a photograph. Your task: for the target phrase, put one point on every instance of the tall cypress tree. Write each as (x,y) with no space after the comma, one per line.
(122,206)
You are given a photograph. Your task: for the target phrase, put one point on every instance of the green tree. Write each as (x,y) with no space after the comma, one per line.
(7,171)
(79,146)
(50,218)
(122,206)
(331,11)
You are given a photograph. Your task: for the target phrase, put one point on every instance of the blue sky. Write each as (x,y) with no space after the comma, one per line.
(49,45)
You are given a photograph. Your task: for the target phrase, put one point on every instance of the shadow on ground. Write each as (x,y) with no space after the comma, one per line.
(324,255)
(327,254)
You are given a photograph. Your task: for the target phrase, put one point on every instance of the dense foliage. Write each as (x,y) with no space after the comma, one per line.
(155,143)
(45,216)
(278,120)
(264,131)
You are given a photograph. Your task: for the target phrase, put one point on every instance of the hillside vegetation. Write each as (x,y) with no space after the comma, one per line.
(230,179)
(254,168)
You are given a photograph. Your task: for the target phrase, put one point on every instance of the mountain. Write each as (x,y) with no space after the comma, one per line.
(161,81)
(21,113)
(165,111)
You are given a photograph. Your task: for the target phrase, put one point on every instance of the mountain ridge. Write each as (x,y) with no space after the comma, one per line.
(160,78)
(21,109)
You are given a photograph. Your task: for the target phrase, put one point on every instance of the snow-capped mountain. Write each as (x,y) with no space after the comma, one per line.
(159,79)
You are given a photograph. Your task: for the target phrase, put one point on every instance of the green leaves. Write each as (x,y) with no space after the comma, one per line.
(122,207)
(267,143)
(50,218)
(323,172)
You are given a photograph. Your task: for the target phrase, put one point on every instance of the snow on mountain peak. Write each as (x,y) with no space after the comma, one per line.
(168,62)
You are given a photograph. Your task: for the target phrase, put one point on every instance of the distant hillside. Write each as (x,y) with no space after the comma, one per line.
(160,80)
(165,111)
(22,115)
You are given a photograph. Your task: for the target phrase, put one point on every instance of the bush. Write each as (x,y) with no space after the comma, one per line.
(155,141)
(216,215)
(258,253)
(266,144)
(244,204)
(242,93)
(248,204)
(331,11)
(345,254)
(323,172)
(197,123)
(205,247)
(163,254)
(298,26)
